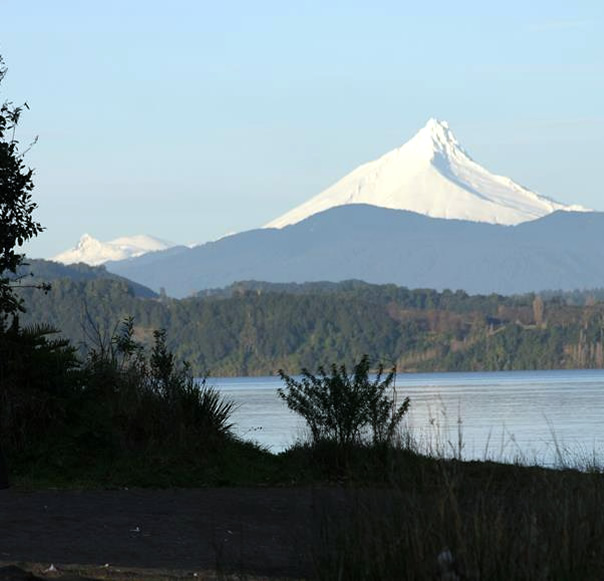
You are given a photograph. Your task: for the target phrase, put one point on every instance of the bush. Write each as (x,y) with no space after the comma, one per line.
(122,413)
(346,409)
(152,400)
(38,379)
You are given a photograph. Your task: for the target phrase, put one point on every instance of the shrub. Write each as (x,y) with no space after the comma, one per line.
(37,382)
(346,409)
(121,409)
(153,399)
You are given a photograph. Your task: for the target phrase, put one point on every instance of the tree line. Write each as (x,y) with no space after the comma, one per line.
(254,328)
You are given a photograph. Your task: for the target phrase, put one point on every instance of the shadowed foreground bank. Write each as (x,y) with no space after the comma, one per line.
(434,519)
(263,530)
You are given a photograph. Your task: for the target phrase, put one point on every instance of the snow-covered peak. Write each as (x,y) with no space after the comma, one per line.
(86,239)
(94,252)
(435,134)
(433,175)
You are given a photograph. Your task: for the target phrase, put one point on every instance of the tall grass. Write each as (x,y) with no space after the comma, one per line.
(441,518)
(464,521)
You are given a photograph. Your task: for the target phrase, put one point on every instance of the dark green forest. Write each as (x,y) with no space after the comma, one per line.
(255,328)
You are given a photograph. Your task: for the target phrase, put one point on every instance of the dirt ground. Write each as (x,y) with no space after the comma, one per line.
(261,531)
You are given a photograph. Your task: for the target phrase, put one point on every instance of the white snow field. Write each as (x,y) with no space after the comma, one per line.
(94,252)
(433,175)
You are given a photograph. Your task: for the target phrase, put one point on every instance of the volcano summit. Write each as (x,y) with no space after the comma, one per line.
(433,175)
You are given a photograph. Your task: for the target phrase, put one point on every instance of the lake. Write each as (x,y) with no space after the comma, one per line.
(527,416)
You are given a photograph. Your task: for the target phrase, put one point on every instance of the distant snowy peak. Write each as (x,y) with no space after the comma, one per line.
(433,175)
(94,252)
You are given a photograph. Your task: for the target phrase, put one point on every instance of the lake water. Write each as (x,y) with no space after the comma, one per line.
(528,416)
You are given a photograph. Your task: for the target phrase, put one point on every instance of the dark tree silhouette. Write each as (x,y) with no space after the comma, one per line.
(16,206)
(16,222)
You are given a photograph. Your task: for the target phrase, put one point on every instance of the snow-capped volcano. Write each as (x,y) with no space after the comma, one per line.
(431,174)
(94,252)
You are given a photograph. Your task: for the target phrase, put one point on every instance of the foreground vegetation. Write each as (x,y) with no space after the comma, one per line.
(122,415)
(454,520)
(126,416)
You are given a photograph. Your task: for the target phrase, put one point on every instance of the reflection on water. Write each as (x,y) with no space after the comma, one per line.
(502,415)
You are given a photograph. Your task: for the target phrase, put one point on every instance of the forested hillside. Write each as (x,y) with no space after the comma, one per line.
(256,328)
(42,271)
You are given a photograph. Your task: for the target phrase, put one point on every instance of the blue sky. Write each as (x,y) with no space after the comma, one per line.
(188,120)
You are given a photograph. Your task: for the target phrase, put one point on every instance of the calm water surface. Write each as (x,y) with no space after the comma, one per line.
(508,416)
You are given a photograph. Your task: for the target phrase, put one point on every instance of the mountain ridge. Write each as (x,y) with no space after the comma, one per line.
(563,250)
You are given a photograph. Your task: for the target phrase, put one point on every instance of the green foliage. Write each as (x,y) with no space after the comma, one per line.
(38,377)
(343,408)
(255,329)
(121,412)
(153,400)
(16,206)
